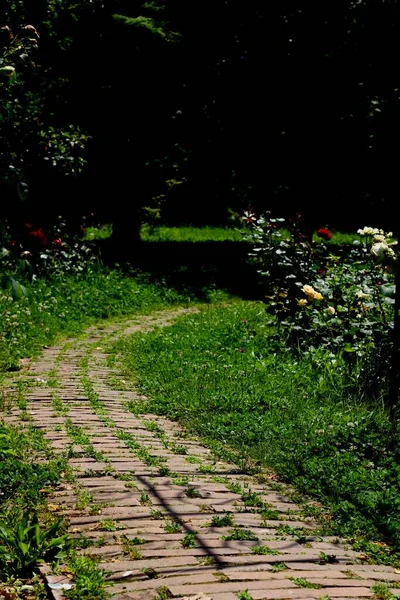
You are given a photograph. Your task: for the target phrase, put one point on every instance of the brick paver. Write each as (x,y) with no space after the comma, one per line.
(147,497)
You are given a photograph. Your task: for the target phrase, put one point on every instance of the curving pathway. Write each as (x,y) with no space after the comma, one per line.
(166,518)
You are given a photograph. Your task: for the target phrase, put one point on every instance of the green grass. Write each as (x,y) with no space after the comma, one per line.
(224,375)
(21,460)
(65,305)
(163,233)
(190,234)
(103,232)
(89,579)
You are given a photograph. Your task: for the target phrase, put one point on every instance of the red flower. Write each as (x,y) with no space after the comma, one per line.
(27,226)
(324,233)
(58,243)
(38,236)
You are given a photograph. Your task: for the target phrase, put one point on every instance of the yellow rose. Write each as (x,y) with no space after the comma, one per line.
(308,290)
(331,310)
(311,293)
(302,302)
(360,294)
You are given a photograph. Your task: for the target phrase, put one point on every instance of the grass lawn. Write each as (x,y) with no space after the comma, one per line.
(163,233)
(191,234)
(228,379)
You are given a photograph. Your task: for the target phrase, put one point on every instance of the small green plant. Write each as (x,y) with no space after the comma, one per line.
(152,426)
(301,539)
(145,499)
(81,542)
(193,460)
(130,485)
(52,380)
(192,492)
(382,591)
(189,541)
(205,508)
(124,476)
(205,561)
(150,572)
(137,541)
(252,499)
(164,593)
(264,550)
(269,514)
(130,547)
(237,533)
(89,579)
(225,521)
(278,567)
(206,469)
(289,530)
(244,595)
(24,543)
(164,471)
(180,480)
(157,515)
(84,498)
(303,583)
(108,525)
(222,578)
(327,558)
(236,488)
(178,449)
(58,405)
(171,526)
(95,509)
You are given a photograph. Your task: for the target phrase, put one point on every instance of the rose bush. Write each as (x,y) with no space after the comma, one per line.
(335,303)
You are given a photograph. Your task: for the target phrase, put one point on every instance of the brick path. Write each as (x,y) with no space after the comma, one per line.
(148,497)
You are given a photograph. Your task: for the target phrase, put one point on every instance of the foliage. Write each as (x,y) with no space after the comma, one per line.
(342,302)
(150,24)
(16,52)
(102,232)
(26,539)
(32,145)
(227,376)
(24,543)
(201,132)
(33,252)
(19,464)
